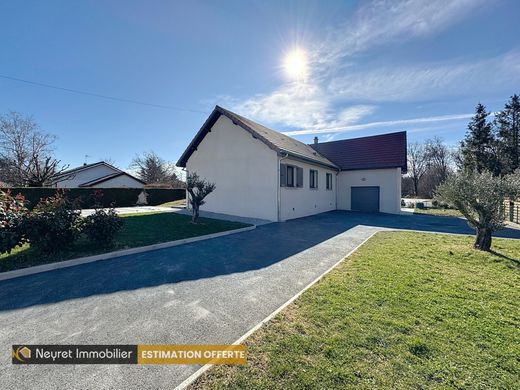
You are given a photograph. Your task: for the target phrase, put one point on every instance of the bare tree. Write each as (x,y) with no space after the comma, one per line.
(439,165)
(198,189)
(39,172)
(154,170)
(24,149)
(438,156)
(417,164)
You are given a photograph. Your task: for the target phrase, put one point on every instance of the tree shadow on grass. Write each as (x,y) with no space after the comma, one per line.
(515,263)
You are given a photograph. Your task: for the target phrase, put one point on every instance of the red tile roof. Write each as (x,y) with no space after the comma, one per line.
(374,152)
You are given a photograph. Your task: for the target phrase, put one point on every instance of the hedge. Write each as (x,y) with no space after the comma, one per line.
(119,197)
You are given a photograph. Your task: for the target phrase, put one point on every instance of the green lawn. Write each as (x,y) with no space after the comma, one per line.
(138,230)
(406,311)
(438,212)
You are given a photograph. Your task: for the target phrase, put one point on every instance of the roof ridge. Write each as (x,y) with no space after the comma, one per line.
(275,140)
(85,166)
(357,138)
(291,139)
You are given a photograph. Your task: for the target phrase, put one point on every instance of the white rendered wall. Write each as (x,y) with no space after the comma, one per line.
(122,181)
(243,168)
(85,175)
(389,181)
(300,202)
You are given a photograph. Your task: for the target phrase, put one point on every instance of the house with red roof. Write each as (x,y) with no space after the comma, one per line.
(262,173)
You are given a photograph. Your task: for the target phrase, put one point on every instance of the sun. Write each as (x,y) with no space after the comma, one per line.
(296,65)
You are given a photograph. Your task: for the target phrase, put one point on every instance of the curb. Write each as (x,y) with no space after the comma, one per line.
(110,255)
(188,381)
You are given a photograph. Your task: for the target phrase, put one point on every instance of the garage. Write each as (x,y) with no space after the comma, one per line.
(365,199)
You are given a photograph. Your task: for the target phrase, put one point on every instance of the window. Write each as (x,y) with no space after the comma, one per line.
(299,177)
(329,181)
(290,176)
(313,179)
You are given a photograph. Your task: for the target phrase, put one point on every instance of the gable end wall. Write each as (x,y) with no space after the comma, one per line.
(243,168)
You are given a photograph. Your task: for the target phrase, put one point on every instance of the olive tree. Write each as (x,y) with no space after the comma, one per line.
(480,198)
(198,189)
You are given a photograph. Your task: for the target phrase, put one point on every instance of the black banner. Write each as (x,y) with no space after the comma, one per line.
(74,354)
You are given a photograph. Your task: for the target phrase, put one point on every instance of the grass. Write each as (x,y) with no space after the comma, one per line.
(138,230)
(406,311)
(438,212)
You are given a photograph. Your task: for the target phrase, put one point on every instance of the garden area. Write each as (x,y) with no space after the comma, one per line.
(407,310)
(430,207)
(54,230)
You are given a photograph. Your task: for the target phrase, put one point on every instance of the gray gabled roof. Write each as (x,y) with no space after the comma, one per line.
(109,177)
(279,142)
(83,167)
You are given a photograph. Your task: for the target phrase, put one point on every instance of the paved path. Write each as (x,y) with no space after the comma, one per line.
(134,210)
(207,292)
(180,210)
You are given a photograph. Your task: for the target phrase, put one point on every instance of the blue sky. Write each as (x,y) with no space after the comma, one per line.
(371,67)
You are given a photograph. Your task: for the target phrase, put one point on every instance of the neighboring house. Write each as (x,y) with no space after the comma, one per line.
(96,175)
(261,173)
(512,210)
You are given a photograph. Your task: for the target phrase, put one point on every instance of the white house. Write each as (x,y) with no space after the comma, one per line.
(261,173)
(97,175)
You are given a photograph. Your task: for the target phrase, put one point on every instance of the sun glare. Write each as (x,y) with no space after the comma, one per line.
(295,65)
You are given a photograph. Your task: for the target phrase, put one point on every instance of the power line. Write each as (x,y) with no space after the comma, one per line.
(79,92)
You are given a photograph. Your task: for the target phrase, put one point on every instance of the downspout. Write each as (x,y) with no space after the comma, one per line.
(279,192)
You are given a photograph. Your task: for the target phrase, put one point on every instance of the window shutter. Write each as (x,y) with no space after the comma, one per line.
(283,175)
(299,177)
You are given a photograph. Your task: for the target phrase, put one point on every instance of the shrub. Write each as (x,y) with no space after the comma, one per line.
(403,203)
(53,224)
(101,226)
(435,203)
(419,205)
(12,214)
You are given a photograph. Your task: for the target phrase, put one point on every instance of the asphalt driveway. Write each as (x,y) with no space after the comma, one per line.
(208,292)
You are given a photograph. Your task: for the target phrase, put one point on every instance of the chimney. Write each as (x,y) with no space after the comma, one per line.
(315,140)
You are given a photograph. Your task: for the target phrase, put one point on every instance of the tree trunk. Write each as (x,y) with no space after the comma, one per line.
(416,186)
(195,213)
(483,240)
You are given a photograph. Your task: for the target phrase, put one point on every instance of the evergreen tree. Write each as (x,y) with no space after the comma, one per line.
(507,124)
(478,147)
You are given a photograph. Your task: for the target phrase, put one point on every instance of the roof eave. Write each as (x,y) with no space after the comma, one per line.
(307,159)
(403,169)
(206,127)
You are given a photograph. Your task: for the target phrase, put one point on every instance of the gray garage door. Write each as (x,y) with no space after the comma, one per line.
(364,199)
